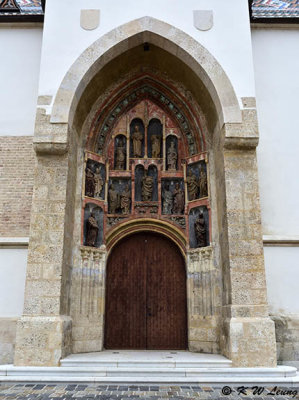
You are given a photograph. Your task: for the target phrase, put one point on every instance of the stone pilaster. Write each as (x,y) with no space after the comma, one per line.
(203,290)
(248,336)
(88,300)
(44,330)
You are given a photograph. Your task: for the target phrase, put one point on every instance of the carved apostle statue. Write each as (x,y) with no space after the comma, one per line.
(200,230)
(113,198)
(89,183)
(125,200)
(92,230)
(147,187)
(167,200)
(172,156)
(203,183)
(156,146)
(192,185)
(99,183)
(137,137)
(178,200)
(120,155)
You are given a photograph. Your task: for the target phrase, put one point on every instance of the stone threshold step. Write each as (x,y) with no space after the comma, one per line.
(146,364)
(281,373)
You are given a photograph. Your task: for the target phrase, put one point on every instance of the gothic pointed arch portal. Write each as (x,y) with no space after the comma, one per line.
(129,131)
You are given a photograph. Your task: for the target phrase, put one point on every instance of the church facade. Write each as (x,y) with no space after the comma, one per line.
(144,207)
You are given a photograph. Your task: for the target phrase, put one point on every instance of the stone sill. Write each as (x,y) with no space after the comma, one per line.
(14,242)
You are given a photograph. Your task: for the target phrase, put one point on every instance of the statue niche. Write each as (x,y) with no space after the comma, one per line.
(173,196)
(154,139)
(172,153)
(94,179)
(137,138)
(199,227)
(197,182)
(120,152)
(119,196)
(93,225)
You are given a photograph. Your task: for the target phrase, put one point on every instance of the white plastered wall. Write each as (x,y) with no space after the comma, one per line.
(19,72)
(66,41)
(12,281)
(276,64)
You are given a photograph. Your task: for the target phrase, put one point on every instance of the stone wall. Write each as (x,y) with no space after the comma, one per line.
(7,339)
(17,161)
(287,339)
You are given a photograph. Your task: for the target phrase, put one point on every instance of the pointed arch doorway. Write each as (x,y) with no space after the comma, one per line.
(146,303)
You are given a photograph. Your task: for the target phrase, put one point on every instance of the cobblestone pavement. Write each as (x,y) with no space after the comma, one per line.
(151,392)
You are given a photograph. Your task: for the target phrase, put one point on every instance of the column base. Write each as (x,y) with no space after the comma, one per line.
(42,340)
(250,342)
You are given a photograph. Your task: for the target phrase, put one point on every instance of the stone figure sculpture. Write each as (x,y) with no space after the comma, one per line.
(99,183)
(178,200)
(200,230)
(113,199)
(167,200)
(120,155)
(125,200)
(156,146)
(192,185)
(203,183)
(92,230)
(137,137)
(147,187)
(172,156)
(89,183)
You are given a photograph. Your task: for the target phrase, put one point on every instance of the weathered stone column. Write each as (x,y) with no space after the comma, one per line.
(249,335)
(44,330)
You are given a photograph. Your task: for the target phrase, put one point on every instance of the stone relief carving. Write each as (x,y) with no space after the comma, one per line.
(125,200)
(156,146)
(167,197)
(89,183)
(203,182)
(120,154)
(99,182)
(147,187)
(146,208)
(200,230)
(113,198)
(172,156)
(137,138)
(178,200)
(179,221)
(192,185)
(92,230)
(93,225)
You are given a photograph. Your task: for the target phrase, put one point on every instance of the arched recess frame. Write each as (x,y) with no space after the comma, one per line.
(235,140)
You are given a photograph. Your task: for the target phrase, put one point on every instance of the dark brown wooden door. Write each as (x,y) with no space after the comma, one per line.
(146,295)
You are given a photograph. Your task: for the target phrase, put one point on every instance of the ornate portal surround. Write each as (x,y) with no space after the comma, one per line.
(65,283)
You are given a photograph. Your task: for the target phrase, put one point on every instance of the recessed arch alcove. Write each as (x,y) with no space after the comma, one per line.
(210,136)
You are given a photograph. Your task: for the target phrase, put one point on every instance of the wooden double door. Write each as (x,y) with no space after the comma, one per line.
(146,304)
